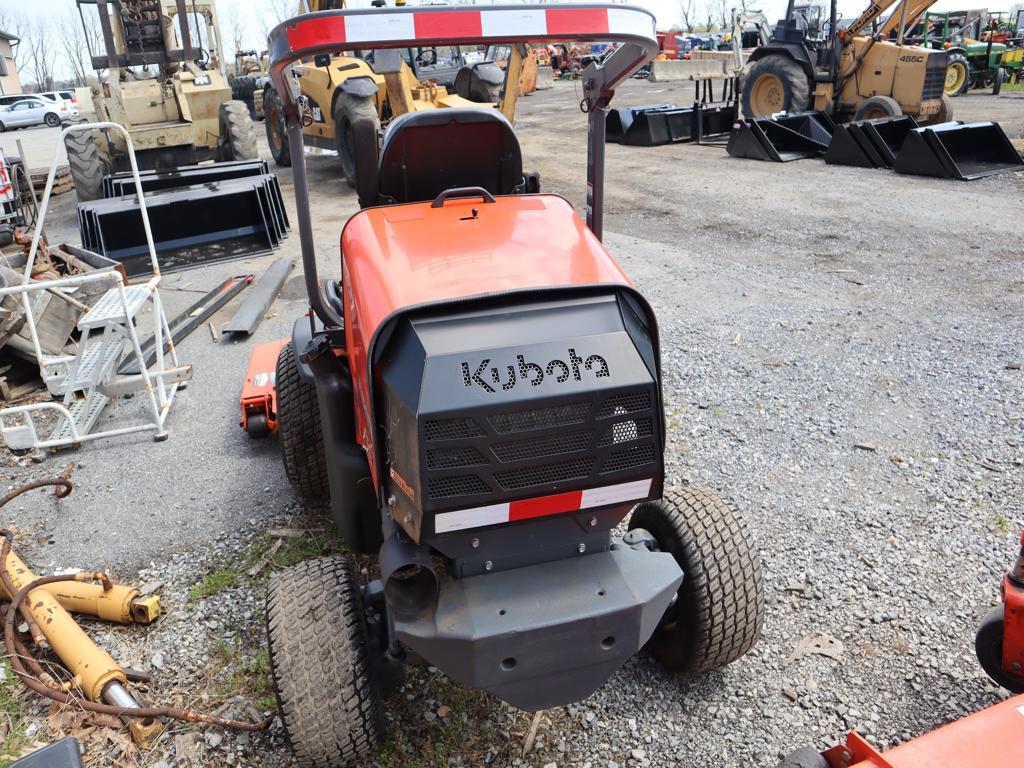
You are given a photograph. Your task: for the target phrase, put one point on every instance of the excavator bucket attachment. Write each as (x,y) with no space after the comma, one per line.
(869,143)
(657,124)
(958,151)
(198,215)
(781,138)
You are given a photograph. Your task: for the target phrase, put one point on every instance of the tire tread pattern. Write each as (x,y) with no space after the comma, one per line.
(86,165)
(721,600)
(298,424)
(330,705)
(238,131)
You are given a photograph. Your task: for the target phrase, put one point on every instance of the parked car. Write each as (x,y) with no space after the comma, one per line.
(67,98)
(29,112)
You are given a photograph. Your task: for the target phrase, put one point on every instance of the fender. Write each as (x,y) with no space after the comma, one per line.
(489,72)
(361,86)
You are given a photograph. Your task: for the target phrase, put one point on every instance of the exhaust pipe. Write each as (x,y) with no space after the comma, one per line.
(407,571)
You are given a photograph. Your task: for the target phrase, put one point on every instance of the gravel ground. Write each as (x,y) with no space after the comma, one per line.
(842,357)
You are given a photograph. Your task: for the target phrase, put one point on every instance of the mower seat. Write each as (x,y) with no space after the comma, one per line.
(425,153)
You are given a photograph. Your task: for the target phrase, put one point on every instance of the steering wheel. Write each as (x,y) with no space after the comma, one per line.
(426,58)
(202,58)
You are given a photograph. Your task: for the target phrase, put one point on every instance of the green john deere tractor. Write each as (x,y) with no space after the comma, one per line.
(973,63)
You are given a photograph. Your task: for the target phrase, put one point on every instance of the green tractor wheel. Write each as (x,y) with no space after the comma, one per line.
(957,73)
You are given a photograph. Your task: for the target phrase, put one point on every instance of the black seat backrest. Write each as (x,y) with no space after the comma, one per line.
(425,153)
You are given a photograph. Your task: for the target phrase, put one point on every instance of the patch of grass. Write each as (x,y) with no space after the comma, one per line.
(466,728)
(244,670)
(999,524)
(12,716)
(214,583)
(1013,86)
(263,552)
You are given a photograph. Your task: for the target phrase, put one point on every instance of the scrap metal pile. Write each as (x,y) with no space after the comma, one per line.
(198,214)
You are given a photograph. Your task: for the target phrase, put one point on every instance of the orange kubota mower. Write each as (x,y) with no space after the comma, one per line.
(482,414)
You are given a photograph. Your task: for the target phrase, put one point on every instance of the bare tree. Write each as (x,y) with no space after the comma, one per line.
(237,27)
(77,41)
(688,12)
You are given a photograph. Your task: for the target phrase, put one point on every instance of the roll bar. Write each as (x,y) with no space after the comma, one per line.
(378,28)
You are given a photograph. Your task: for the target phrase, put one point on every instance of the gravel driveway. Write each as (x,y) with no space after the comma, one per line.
(842,350)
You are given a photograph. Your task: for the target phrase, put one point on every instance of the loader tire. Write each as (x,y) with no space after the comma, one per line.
(875,107)
(237,132)
(944,115)
(775,83)
(327,697)
(957,75)
(86,165)
(243,88)
(997,81)
(277,136)
(298,422)
(347,110)
(719,611)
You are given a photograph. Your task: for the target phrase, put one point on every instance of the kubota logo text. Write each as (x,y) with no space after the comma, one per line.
(489,377)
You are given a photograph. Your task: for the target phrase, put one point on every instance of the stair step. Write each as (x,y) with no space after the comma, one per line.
(109,310)
(85,413)
(97,361)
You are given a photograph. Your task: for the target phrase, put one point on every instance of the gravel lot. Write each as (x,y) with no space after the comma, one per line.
(842,351)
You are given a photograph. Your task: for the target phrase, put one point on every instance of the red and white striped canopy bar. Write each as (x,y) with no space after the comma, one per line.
(336,31)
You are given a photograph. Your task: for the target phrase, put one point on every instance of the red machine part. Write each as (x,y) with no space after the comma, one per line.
(259,411)
(1013,616)
(398,257)
(992,738)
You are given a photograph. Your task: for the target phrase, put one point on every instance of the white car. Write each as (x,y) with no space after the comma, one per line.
(29,112)
(65,98)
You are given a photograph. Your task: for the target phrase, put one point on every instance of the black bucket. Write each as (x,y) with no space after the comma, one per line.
(194,225)
(659,124)
(118,184)
(869,143)
(958,151)
(783,138)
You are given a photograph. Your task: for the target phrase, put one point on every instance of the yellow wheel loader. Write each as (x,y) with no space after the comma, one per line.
(166,85)
(336,91)
(851,73)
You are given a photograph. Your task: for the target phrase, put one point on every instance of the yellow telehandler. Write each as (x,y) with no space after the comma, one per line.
(336,91)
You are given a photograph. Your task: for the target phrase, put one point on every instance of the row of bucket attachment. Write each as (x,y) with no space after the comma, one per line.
(953,150)
(198,214)
(655,124)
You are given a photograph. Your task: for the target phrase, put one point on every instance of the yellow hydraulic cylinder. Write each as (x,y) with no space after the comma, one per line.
(120,604)
(92,667)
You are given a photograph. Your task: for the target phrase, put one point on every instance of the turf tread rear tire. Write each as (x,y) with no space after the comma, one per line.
(86,165)
(720,609)
(237,132)
(316,635)
(298,423)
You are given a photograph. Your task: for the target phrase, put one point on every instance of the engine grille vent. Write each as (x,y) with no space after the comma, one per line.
(456,485)
(546,473)
(517,450)
(539,418)
(628,458)
(934,77)
(451,429)
(625,431)
(628,402)
(454,457)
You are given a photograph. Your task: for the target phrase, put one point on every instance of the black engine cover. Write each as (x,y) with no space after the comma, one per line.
(521,398)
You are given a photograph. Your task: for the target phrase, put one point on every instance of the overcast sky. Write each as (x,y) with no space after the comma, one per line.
(254,17)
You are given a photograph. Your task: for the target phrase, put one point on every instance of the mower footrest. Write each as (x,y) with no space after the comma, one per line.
(548,634)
